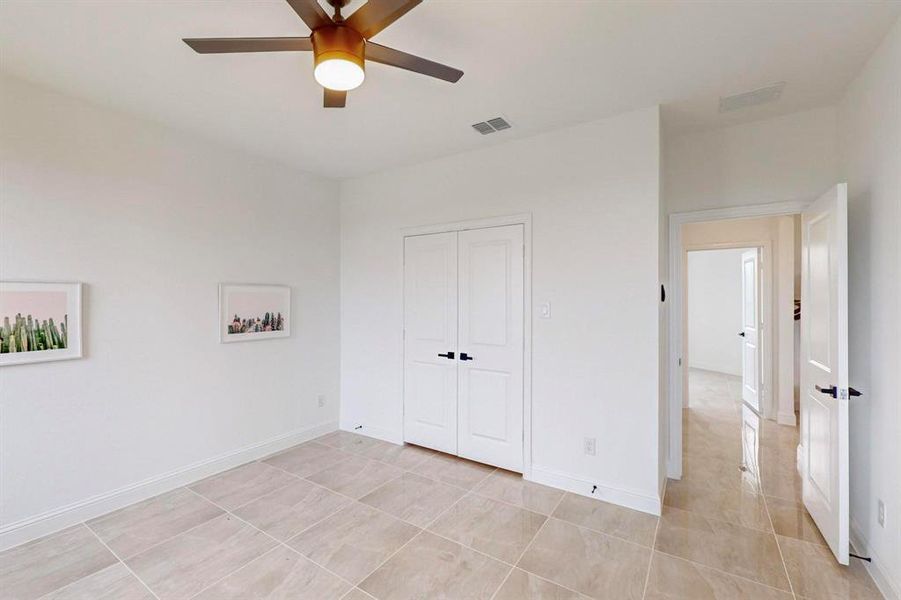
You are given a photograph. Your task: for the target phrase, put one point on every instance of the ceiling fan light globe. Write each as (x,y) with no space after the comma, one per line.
(339,74)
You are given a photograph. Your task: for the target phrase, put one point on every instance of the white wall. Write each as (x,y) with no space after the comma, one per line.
(714,310)
(594,196)
(792,157)
(869,120)
(151,221)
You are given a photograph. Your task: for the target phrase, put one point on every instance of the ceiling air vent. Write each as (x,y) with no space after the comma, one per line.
(770,93)
(491,126)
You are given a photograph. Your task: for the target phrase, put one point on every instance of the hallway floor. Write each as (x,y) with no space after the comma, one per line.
(347,516)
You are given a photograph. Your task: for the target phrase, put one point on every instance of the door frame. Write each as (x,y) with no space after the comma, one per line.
(675,277)
(524,219)
(767,295)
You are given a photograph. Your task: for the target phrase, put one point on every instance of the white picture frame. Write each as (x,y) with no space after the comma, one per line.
(250,304)
(39,302)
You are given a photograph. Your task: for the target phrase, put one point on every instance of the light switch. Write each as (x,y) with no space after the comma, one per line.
(544,310)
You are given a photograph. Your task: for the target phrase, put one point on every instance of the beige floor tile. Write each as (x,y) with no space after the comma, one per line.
(356,476)
(618,521)
(354,541)
(351,442)
(51,562)
(526,586)
(241,485)
(289,510)
(432,567)
(512,488)
(718,472)
(780,482)
(589,562)
(112,583)
(136,528)
(306,459)
(672,578)
(816,575)
(495,528)
(188,563)
(413,498)
(281,574)
(792,520)
(453,470)
(404,456)
(731,504)
(738,550)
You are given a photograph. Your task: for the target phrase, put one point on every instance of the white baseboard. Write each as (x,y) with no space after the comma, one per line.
(787,419)
(579,485)
(889,588)
(713,368)
(54,520)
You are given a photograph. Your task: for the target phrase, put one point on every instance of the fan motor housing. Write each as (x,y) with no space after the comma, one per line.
(338,42)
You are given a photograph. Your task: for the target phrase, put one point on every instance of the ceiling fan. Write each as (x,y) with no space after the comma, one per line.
(340,46)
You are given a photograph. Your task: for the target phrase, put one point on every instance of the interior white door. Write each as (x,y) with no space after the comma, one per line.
(430,339)
(750,328)
(824,366)
(491,332)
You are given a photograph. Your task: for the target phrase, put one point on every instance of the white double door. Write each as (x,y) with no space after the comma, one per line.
(463,343)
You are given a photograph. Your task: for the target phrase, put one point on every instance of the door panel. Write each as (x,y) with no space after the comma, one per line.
(430,329)
(491,330)
(750,315)
(824,367)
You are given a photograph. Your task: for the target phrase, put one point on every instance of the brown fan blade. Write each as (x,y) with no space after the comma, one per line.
(333,98)
(396,58)
(265,44)
(375,15)
(311,13)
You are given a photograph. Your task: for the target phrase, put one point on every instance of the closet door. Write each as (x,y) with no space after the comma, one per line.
(430,339)
(490,344)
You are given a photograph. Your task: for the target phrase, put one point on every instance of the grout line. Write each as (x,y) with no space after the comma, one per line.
(727,573)
(647,578)
(791,586)
(419,533)
(529,545)
(278,543)
(135,575)
(161,542)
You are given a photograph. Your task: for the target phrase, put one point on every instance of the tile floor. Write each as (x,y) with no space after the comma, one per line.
(346,516)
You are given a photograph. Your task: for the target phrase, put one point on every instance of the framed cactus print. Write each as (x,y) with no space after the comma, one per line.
(253,312)
(39,322)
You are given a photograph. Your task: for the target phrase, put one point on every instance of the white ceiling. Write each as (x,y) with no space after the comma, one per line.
(541,65)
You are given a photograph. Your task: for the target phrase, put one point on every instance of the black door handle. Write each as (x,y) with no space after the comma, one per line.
(853,393)
(464,356)
(829,391)
(449,355)
(741,334)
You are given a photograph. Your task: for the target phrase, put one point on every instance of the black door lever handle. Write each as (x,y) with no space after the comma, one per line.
(741,334)
(829,391)
(464,356)
(449,355)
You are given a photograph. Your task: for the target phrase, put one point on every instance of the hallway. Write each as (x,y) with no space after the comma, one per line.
(738,507)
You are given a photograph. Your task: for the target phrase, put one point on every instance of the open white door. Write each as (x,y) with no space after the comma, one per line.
(750,328)
(824,366)
(491,346)
(430,341)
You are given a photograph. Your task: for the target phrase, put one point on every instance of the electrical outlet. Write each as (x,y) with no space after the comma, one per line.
(590,446)
(321,399)
(880,512)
